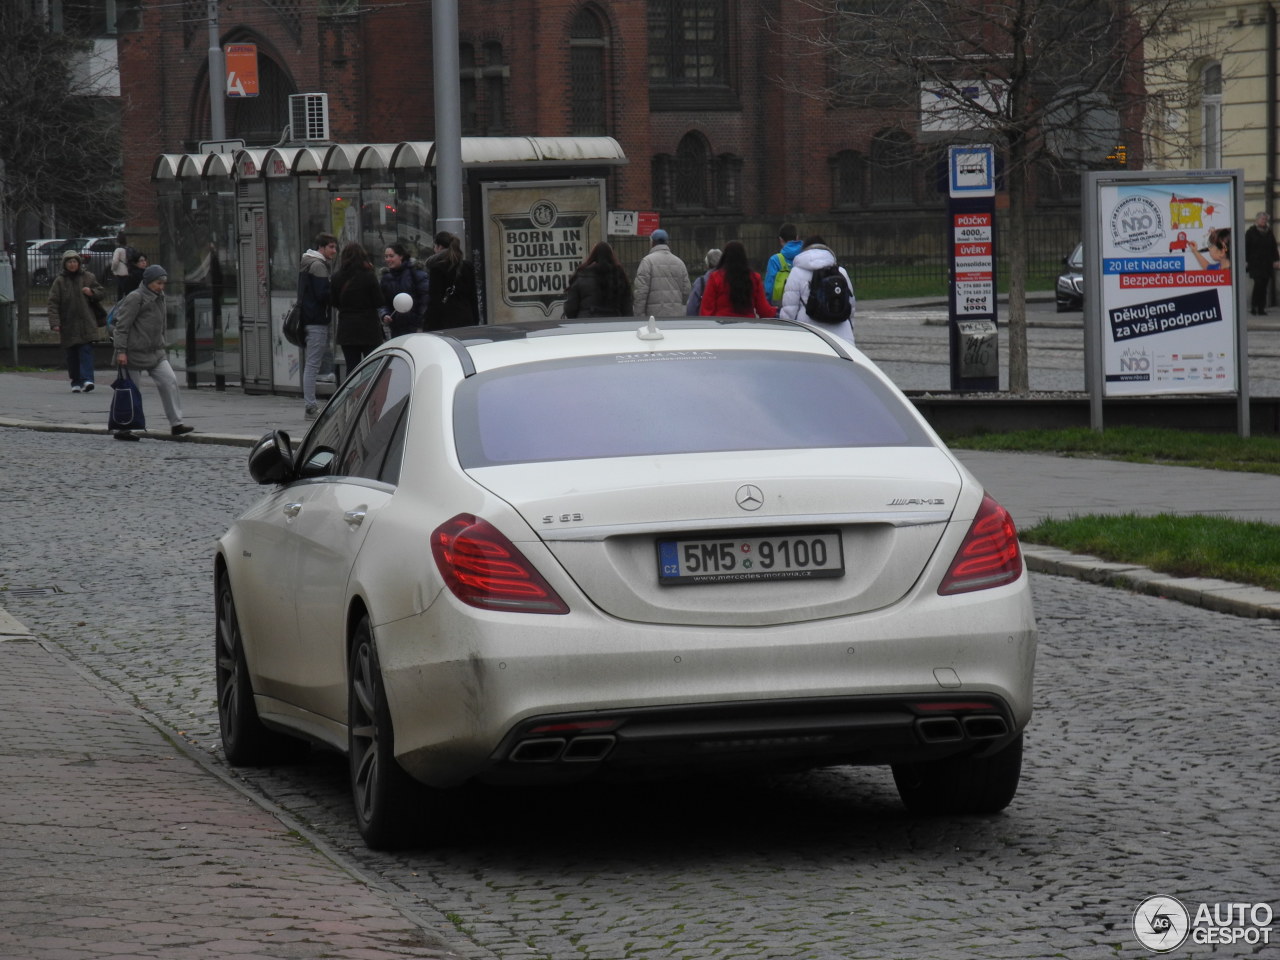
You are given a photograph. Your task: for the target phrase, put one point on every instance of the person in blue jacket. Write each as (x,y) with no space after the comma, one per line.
(775,274)
(694,305)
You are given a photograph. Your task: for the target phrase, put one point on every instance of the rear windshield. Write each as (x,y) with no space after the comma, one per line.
(647,404)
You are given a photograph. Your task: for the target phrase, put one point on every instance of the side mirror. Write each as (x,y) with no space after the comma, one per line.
(271,459)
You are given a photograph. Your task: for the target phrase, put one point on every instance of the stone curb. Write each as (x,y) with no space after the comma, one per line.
(1221,596)
(11,629)
(225,439)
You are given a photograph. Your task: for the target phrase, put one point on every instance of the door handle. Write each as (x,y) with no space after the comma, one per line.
(355,517)
(291,510)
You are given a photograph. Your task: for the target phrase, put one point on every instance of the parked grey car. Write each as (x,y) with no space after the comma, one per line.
(95,255)
(38,253)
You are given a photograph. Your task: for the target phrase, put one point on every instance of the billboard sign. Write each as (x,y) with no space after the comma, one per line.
(242,69)
(537,234)
(961,105)
(1167,272)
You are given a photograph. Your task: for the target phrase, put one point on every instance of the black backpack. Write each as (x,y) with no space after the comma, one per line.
(830,297)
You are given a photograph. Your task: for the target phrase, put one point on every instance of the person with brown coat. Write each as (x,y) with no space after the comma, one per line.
(599,287)
(73,317)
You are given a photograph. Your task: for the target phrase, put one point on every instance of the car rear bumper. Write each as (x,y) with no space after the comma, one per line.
(471,693)
(798,734)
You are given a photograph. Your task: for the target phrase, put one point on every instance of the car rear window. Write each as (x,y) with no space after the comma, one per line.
(647,404)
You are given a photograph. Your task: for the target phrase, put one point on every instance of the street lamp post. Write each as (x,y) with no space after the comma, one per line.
(448,146)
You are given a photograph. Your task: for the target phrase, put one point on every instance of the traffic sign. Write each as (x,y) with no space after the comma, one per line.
(221,146)
(972,170)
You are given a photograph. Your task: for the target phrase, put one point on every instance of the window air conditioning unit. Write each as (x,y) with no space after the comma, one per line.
(309,116)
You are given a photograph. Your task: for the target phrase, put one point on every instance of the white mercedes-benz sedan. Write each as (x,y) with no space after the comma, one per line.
(543,552)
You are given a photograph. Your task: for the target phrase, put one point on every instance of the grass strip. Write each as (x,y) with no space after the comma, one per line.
(1184,546)
(1215,451)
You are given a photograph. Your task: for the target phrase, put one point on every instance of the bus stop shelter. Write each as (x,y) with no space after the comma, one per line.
(234,226)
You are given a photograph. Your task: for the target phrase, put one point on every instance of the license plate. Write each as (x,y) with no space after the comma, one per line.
(797,556)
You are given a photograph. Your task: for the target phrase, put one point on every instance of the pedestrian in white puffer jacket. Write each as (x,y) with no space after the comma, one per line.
(813,256)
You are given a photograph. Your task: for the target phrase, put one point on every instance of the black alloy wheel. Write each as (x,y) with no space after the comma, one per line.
(380,789)
(245,741)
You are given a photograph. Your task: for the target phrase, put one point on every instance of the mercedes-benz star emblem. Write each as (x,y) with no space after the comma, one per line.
(749,497)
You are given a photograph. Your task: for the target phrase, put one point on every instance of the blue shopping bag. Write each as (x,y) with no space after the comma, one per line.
(126,404)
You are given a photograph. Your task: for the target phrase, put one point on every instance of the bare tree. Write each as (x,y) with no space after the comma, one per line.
(1056,85)
(59,145)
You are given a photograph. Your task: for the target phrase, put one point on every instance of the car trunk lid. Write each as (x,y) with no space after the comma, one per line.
(878,513)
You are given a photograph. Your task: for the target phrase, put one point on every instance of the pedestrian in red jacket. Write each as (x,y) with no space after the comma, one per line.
(734,289)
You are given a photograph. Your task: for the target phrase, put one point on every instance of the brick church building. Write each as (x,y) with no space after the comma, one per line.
(693,90)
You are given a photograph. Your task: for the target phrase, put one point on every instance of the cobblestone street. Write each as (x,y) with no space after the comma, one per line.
(1150,766)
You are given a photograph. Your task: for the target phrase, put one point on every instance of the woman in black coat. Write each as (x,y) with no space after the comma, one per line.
(358,297)
(453,301)
(403,276)
(599,287)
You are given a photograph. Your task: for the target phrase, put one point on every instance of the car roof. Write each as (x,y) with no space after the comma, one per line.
(502,344)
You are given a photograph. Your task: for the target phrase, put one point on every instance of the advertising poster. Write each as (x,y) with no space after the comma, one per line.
(1167,263)
(536,236)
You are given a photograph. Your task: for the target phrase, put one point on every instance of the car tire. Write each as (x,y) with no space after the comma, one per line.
(961,785)
(246,742)
(1063,307)
(380,789)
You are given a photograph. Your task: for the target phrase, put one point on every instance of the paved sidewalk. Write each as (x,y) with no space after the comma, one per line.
(116,841)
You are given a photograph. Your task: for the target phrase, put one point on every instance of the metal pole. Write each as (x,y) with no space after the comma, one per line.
(1089,236)
(217,79)
(448,146)
(1242,327)
(1269,195)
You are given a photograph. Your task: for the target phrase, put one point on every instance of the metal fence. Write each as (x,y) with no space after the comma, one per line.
(889,254)
(886,254)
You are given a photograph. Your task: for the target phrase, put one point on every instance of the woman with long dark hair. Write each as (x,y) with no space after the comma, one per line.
(734,289)
(403,276)
(358,297)
(599,287)
(453,286)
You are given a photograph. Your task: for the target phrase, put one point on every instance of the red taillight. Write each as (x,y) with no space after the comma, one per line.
(990,555)
(484,569)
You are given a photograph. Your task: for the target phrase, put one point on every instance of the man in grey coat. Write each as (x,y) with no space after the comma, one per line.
(662,284)
(140,345)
